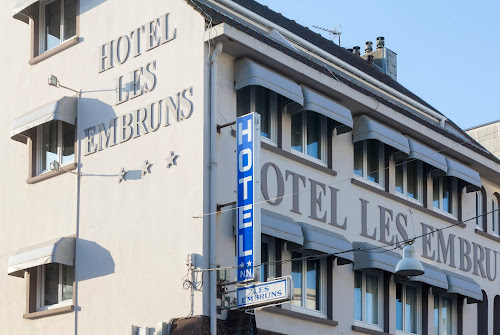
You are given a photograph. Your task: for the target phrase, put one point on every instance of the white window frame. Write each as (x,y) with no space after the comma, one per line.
(419,308)
(41,29)
(322,290)
(479,209)
(453,312)
(271,242)
(381,167)
(39,148)
(323,140)
(273,127)
(40,287)
(420,182)
(455,194)
(495,224)
(362,322)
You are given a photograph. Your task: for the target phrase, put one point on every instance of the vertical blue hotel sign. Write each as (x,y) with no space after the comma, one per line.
(248,225)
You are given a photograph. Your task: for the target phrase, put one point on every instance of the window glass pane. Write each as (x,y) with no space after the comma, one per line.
(478,209)
(399,176)
(49,145)
(68,277)
(435,193)
(313,285)
(297,132)
(494,214)
(358,158)
(412,179)
(399,307)
(68,143)
(297,280)
(372,164)
(358,278)
(52,28)
(371,299)
(264,258)
(446,316)
(411,310)
(436,314)
(243,101)
(447,201)
(69,18)
(314,135)
(262,104)
(51,284)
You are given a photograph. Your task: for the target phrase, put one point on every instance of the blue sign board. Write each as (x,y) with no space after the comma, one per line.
(248,225)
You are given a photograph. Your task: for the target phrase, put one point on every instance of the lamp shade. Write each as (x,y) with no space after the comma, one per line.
(409,265)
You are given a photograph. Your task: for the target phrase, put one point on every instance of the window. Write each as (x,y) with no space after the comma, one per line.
(409,178)
(443,315)
(482,314)
(54,286)
(307,276)
(494,215)
(57,22)
(308,134)
(479,210)
(368,298)
(444,194)
(257,99)
(368,160)
(55,142)
(407,309)
(267,254)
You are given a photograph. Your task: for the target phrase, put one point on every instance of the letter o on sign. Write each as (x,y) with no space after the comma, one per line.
(245,152)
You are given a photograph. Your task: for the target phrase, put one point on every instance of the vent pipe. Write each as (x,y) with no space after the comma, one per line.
(368,47)
(380,42)
(355,50)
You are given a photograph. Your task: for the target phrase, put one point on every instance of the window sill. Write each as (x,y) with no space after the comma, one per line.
(368,331)
(408,203)
(300,316)
(54,51)
(298,159)
(49,312)
(51,174)
(487,235)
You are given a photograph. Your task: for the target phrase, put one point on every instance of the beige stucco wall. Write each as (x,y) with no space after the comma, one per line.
(488,136)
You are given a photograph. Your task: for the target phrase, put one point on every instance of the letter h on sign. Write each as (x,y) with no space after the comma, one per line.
(248,164)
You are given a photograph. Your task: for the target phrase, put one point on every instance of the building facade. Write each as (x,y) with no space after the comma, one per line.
(119,183)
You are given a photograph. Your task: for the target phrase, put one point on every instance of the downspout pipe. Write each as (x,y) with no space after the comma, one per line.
(213,184)
(257,18)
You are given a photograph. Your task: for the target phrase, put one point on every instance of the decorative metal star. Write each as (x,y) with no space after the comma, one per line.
(146,168)
(172,159)
(121,175)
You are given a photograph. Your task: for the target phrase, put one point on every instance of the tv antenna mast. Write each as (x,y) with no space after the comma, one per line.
(335,32)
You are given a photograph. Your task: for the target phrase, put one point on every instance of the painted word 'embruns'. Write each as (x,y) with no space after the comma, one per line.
(139,122)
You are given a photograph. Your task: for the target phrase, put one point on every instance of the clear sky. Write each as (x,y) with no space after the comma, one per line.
(448,51)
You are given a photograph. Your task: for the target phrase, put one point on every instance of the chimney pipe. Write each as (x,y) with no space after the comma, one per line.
(380,42)
(350,50)
(368,47)
(356,50)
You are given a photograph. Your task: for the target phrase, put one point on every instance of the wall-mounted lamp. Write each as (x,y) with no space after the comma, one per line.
(409,265)
(53,81)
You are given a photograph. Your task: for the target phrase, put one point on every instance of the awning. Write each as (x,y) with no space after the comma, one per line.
(20,6)
(369,129)
(433,276)
(323,240)
(318,103)
(63,109)
(464,286)
(60,250)
(281,226)
(247,72)
(427,155)
(463,172)
(368,256)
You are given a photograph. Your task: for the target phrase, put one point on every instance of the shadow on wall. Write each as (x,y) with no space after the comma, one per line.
(88,5)
(93,260)
(93,112)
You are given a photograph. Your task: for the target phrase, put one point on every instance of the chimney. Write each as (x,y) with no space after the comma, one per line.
(368,47)
(356,50)
(380,42)
(350,50)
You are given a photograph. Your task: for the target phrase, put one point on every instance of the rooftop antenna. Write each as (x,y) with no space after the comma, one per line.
(334,31)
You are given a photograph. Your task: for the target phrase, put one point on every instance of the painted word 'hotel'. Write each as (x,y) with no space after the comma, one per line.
(119,178)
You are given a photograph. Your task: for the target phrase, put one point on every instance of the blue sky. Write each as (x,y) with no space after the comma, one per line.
(448,51)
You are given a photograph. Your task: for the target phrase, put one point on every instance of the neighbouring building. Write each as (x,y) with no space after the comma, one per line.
(488,135)
(119,179)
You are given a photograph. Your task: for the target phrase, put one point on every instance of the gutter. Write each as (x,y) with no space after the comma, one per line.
(253,16)
(213,184)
